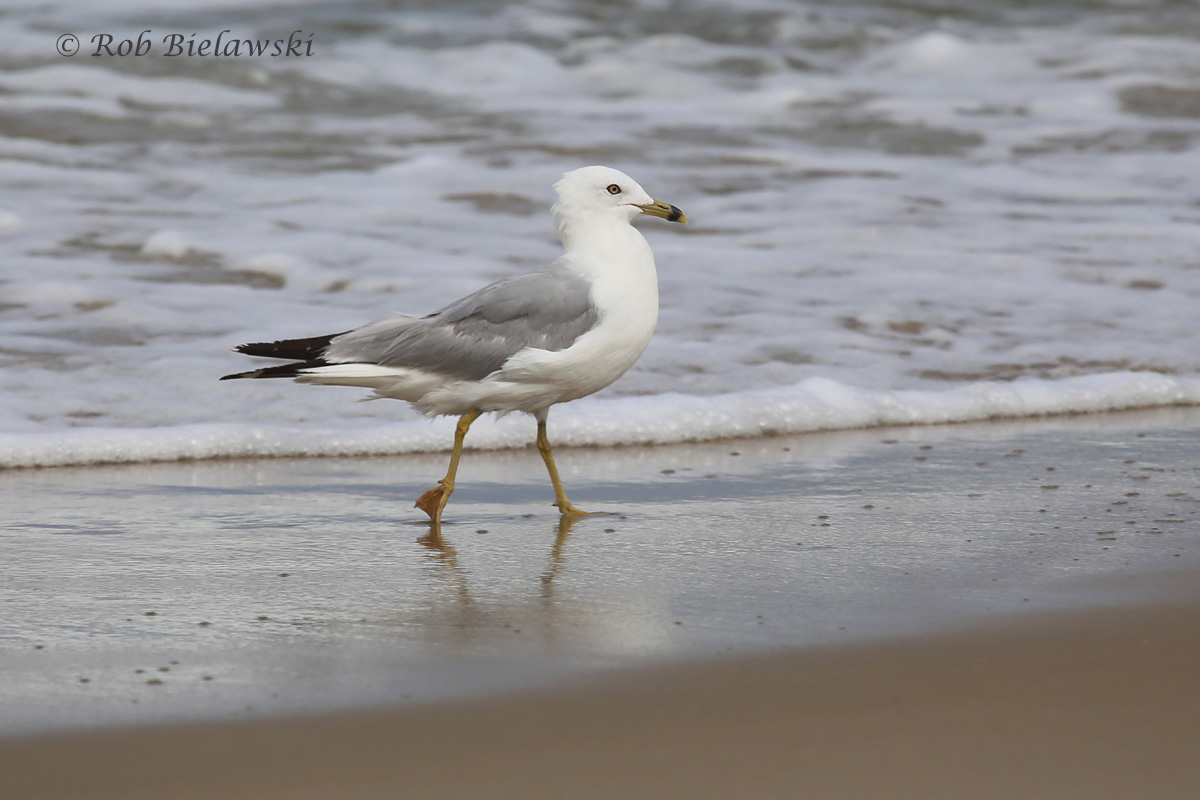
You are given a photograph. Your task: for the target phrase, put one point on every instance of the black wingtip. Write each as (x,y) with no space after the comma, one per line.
(263,349)
(256,373)
(293,370)
(304,353)
(296,349)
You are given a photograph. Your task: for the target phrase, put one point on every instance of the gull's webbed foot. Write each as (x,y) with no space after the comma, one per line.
(433,501)
(568,510)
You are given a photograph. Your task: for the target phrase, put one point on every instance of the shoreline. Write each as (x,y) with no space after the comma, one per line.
(609,423)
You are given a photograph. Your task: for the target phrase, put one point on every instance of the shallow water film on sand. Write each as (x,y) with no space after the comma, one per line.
(230,589)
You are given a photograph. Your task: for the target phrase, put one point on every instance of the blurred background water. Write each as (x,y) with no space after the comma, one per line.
(917,196)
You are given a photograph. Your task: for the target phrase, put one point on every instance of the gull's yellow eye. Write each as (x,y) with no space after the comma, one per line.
(614,189)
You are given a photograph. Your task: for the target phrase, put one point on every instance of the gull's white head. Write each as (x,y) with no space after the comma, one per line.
(598,195)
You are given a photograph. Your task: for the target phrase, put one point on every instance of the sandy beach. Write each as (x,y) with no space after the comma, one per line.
(997,610)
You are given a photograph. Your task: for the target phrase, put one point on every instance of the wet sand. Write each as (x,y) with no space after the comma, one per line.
(1084,705)
(998,610)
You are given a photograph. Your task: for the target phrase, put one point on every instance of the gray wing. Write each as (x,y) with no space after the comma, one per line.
(474,336)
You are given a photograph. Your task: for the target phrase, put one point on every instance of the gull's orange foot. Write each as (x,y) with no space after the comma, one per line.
(568,510)
(432,502)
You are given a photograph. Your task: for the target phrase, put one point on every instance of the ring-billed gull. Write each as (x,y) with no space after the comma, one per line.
(523,343)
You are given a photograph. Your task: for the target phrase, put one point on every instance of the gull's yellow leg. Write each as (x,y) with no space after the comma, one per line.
(560,496)
(434,500)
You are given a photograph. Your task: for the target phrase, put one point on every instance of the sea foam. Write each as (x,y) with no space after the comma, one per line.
(816,404)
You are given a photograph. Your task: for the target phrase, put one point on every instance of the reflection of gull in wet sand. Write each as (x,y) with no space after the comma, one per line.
(466,610)
(521,344)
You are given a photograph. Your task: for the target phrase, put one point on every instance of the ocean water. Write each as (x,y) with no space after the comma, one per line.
(910,212)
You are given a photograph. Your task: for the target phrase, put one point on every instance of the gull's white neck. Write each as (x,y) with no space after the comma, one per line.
(616,259)
(605,245)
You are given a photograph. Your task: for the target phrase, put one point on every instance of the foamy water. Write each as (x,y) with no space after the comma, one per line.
(897,216)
